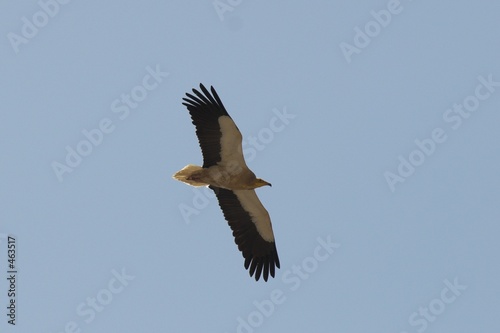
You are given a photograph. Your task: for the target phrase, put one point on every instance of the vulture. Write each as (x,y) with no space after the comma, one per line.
(225,172)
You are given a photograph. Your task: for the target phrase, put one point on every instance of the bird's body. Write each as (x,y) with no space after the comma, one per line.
(226,173)
(219,176)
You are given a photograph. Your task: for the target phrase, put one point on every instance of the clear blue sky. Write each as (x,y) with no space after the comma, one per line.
(377,122)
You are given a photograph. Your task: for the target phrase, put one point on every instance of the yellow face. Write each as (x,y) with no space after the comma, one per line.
(261,182)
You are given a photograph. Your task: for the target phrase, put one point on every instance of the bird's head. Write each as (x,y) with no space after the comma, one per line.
(260,182)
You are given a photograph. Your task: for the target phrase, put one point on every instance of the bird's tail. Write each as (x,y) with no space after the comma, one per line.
(185,175)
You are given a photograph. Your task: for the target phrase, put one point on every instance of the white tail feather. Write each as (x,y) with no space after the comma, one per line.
(186,172)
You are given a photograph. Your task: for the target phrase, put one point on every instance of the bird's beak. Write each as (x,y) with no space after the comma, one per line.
(261,182)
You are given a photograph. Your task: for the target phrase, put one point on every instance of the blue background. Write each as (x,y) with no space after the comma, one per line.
(352,119)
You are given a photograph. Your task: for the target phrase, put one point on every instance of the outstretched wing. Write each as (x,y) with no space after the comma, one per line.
(252,230)
(218,135)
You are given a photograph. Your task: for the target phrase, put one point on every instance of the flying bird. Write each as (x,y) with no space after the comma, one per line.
(226,173)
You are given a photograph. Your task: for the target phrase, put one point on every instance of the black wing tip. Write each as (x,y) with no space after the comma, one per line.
(262,266)
(203,89)
(260,256)
(204,98)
